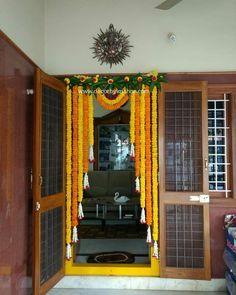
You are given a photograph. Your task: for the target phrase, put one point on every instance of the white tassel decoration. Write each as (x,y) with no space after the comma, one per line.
(75,235)
(143,218)
(91,154)
(86,181)
(132,153)
(137,185)
(155,250)
(81,213)
(68,252)
(149,236)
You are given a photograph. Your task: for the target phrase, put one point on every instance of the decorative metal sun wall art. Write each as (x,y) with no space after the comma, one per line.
(111,47)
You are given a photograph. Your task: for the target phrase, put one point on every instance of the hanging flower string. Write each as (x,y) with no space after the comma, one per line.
(148,172)
(80,150)
(142,156)
(132,125)
(68,170)
(90,129)
(155,173)
(75,164)
(110,104)
(137,142)
(85,141)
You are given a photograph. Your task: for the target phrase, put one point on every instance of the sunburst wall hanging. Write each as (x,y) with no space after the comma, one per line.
(111,47)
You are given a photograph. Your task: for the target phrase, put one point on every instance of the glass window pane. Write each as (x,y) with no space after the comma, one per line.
(219,105)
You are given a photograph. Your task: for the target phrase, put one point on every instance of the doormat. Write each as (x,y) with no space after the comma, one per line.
(111,257)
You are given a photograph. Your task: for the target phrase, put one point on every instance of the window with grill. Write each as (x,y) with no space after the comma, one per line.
(219,142)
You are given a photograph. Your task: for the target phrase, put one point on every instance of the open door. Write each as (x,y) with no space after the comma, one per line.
(48,183)
(184,200)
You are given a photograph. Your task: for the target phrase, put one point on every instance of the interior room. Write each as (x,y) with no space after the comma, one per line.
(118,146)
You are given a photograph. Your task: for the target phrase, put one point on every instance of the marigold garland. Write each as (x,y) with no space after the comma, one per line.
(148,157)
(74,163)
(68,171)
(112,101)
(132,125)
(85,141)
(137,140)
(90,128)
(80,148)
(85,130)
(112,104)
(112,107)
(155,172)
(142,156)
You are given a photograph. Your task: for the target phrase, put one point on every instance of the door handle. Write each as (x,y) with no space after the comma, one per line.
(37,206)
(206,164)
(201,199)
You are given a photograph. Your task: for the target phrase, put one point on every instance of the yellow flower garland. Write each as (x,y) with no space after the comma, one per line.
(68,171)
(137,135)
(74,207)
(75,158)
(132,124)
(85,131)
(90,128)
(148,157)
(80,143)
(142,155)
(155,171)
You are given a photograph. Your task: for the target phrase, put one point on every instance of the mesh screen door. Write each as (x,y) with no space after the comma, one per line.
(184,208)
(48,183)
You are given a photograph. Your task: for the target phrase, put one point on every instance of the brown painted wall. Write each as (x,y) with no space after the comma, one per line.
(16,113)
(217,237)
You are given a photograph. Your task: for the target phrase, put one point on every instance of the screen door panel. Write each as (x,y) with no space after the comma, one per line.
(48,183)
(52,141)
(184,224)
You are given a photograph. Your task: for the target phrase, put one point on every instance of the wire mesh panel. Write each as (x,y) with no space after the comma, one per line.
(52,141)
(51,243)
(184,236)
(183,141)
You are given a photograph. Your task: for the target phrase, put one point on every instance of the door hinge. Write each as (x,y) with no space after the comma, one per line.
(31,178)
(201,198)
(37,206)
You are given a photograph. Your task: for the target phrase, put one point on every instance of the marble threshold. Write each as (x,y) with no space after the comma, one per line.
(140,283)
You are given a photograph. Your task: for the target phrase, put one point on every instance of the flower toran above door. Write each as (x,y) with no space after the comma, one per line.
(112,93)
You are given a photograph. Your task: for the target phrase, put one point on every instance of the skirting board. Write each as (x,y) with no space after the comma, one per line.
(140,283)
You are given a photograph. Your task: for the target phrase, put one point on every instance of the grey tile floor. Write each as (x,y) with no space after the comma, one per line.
(125,292)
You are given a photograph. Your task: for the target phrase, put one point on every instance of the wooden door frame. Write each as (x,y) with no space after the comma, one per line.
(169,197)
(52,201)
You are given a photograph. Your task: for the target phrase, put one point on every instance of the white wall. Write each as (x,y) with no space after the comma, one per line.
(23,22)
(205,31)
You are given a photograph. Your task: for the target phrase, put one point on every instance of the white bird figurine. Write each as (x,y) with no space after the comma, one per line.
(120,199)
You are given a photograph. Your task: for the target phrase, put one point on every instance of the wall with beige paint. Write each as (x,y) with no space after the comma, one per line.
(23,22)
(205,35)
